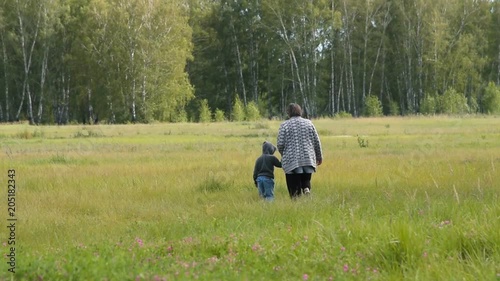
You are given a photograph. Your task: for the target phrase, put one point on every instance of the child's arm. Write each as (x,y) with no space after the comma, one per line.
(276,162)
(255,173)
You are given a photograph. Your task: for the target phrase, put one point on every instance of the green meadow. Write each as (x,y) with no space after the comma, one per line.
(395,199)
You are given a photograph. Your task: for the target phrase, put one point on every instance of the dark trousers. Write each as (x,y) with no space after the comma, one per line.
(297,182)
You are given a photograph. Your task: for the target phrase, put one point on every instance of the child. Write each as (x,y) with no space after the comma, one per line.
(263,172)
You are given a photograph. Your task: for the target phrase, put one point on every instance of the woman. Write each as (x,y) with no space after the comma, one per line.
(300,149)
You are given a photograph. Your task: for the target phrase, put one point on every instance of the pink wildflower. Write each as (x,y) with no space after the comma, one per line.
(213,260)
(305,277)
(346,267)
(158,278)
(256,247)
(139,241)
(342,249)
(444,223)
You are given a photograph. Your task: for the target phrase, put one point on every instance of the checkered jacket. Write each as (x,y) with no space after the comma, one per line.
(299,144)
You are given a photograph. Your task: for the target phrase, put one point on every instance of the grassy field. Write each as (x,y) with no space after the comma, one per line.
(395,199)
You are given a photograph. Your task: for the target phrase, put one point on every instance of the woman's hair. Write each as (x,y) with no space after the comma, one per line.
(294,110)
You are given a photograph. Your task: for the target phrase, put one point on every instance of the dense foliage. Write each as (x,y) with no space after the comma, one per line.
(156,60)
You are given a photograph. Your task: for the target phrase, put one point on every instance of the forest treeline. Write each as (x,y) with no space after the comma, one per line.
(118,61)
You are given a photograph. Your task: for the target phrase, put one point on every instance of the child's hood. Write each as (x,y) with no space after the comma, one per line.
(268,148)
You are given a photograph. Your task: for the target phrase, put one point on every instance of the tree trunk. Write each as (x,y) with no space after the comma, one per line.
(314,94)
(30,106)
(366,36)
(112,119)
(226,93)
(254,66)
(66,101)
(341,91)
(62,110)
(90,108)
(295,66)
(5,63)
(348,76)
(240,66)
(410,93)
(27,56)
(143,96)
(385,24)
(282,92)
(299,81)
(60,107)
(498,72)
(408,66)
(292,73)
(23,93)
(282,108)
(420,62)
(349,71)
(332,81)
(133,105)
(384,88)
(42,85)
(375,66)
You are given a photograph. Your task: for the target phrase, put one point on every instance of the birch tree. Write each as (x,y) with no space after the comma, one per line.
(29,17)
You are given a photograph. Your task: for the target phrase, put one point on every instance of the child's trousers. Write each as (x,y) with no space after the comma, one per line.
(266,187)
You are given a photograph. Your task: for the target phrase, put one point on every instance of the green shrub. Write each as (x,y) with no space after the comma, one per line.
(24,134)
(362,142)
(394,108)
(343,114)
(452,102)
(473,105)
(213,184)
(180,116)
(491,99)
(261,125)
(252,112)
(373,106)
(219,115)
(428,105)
(205,113)
(238,113)
(88,133)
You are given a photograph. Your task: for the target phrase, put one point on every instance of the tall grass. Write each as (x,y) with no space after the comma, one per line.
(177,201)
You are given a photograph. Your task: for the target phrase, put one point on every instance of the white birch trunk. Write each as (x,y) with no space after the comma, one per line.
(42,85)
(5,62)
(27,56)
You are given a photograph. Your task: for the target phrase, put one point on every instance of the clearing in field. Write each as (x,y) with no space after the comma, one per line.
(395,198)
